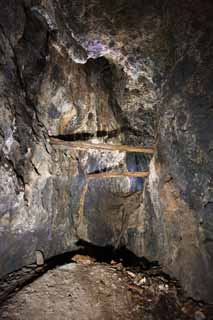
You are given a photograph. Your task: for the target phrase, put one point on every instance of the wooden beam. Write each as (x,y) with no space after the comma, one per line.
(100,175)
(81,145)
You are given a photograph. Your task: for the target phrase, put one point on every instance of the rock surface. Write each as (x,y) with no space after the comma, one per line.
(136,72)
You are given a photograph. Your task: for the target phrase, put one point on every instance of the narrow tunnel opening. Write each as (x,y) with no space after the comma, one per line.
(108,74)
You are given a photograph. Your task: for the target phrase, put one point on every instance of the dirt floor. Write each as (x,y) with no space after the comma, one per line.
(89,290)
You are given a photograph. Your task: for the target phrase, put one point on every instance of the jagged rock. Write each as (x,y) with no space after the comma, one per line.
(136,72)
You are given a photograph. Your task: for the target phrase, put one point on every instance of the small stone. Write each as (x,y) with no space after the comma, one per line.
(131,274)
(118,266)
(39,258)
(199,315)
(86,260)
(142,281)
(163,287)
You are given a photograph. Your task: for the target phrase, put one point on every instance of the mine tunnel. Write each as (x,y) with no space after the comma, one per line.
(106,159)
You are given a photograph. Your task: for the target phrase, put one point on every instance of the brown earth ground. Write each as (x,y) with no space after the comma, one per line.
(89,290)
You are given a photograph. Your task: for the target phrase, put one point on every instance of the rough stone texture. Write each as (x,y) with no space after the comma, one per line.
(136,72)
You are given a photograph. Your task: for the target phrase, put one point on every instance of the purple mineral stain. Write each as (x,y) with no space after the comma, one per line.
(134,163)
(95,48)
(49,233)
(8,73)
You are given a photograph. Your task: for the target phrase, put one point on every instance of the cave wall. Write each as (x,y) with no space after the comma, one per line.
(118,72)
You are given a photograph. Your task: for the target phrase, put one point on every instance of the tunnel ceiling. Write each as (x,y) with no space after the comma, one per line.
(138,73)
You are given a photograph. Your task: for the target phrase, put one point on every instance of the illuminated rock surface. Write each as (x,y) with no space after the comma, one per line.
(134,72)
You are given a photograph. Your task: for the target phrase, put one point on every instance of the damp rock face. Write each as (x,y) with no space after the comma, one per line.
(138,73)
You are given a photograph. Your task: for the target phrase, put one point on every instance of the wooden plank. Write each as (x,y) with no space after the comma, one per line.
(100,175)
(81,145)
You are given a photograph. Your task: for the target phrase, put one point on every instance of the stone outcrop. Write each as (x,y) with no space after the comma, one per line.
(138,73)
